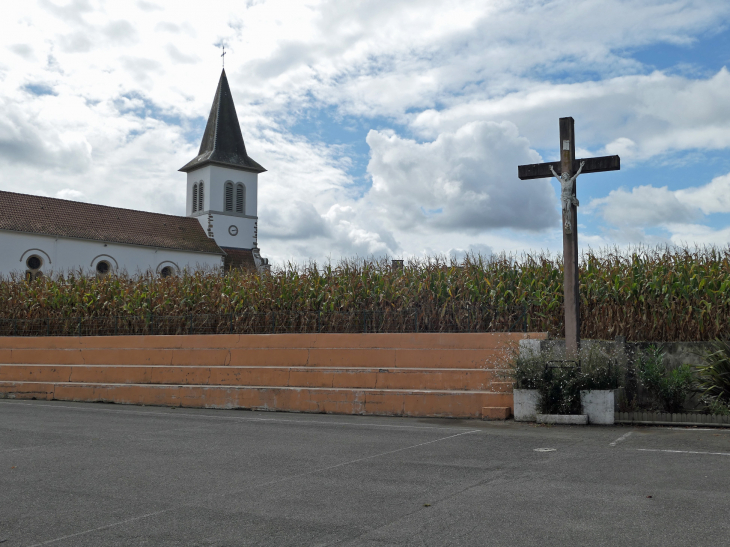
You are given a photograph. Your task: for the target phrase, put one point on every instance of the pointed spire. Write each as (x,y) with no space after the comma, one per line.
(222,141)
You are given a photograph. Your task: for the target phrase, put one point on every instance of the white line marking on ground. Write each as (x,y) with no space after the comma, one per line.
(23,448)
(100,528)
(311,472)
(621,438)
(690,428)
(683,451)
(235,418)
(359,460)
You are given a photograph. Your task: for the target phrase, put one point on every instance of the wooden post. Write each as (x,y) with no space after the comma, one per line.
(570,247)
(568,165)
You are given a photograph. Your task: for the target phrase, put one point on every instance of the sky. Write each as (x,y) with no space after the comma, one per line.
(387,128)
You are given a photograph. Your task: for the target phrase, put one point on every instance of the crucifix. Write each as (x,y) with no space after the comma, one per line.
(223,56)
(566,171)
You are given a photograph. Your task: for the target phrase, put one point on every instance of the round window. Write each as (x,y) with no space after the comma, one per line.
(33,262)
(102,267)
(166,271)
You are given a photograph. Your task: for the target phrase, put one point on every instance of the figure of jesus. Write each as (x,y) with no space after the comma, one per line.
(567,194)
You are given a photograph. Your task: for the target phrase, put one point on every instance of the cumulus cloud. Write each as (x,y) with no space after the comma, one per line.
(24,50)
(465,180)
(697,234)
(710,198)
(23,140)
(104,104)
(637,117)
(660,216)
(643,206)
(149,6)
(179,57)
(650,206)
(474,251)
(71,194)
(293,220)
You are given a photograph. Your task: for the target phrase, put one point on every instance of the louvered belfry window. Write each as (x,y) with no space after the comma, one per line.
(195,197)
(240,199)
(200,197)
(229,196)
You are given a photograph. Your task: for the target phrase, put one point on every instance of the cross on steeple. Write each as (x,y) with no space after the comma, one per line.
(223,56)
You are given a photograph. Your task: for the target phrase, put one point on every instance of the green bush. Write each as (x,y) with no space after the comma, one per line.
(668,387)
(598,370)
(526,370)
(560,391)
(716,406)
(713,378)
(559,386)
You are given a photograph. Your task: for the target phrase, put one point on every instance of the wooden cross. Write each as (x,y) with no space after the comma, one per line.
(223,56)
(564,169)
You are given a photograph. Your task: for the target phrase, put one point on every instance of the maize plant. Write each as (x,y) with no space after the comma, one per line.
(662,294)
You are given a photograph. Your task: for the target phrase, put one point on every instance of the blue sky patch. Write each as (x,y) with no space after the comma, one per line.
(39,89)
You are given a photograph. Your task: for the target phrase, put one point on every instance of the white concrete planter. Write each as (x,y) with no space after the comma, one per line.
(525,405)
(563,419)
(597,404)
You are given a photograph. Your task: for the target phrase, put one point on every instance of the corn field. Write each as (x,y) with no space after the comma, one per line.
(664,294)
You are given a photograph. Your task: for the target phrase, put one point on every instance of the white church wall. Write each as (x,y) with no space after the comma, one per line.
(214,179)
(229,229)
(233,231)
(60,255)
(196,177)
(218,178)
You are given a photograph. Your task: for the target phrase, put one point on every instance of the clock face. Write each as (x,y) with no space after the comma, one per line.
(233,230)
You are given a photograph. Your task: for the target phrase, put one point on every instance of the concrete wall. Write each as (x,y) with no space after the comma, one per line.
(60,255)
(455,375)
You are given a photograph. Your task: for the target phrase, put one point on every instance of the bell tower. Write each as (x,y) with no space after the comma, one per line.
(222,187)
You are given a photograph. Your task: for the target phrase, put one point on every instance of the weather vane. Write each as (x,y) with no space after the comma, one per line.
(223,56)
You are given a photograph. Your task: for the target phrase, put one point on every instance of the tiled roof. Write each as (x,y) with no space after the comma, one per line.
(63,218)
(222,141)
(239,259)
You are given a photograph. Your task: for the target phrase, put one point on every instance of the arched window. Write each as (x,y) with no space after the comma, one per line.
(167,269)
(34,264)
(240,198)
(200,196)
(195,197)
(229,197)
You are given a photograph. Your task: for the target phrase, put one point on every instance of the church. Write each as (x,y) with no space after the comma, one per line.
(48,236)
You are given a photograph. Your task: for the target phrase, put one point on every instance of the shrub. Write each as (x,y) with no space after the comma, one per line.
(716,406)
(668,387)
(598,371)
(713,379)
(560,391)
(526,370)
(558,382)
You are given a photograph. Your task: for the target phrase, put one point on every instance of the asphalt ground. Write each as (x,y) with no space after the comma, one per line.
(81,474)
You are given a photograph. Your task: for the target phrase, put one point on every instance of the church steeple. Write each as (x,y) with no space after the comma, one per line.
(222,141)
